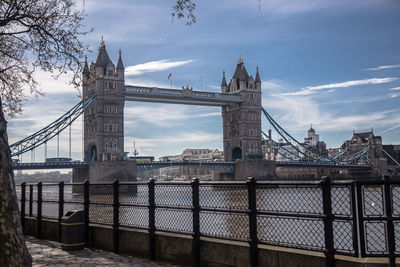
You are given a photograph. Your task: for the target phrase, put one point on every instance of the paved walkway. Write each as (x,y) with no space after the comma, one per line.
(48,253)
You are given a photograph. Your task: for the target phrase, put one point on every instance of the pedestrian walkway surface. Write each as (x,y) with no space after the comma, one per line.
(48,253)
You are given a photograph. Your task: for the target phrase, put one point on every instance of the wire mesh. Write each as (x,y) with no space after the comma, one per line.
(50,192)
(224,225)
(223,196)
(343,236)
(293,232)
(176,220)
(375,238)
(50,210)
(289,199)
(373,204)
(134,216)
(396,200)
(73,193)
(101,193)
(99,213)
(173,195)
(396,225)
(133,194)
(341,200)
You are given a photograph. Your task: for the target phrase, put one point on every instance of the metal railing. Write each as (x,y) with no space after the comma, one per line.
(354,218)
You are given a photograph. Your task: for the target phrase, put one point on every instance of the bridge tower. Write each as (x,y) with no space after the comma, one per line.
(104,119)
(242,121)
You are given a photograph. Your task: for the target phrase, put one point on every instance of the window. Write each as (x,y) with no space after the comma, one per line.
(252,116)
(252,132)
(110,127)
(111,109)
(115,143)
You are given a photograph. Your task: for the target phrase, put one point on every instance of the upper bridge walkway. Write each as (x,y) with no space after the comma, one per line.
(175,96)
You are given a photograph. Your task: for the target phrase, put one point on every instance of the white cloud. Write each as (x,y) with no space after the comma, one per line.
(296,112)
(395,88)
(386,67)
(154,66)
(352,83)
(310,89)
(394,95)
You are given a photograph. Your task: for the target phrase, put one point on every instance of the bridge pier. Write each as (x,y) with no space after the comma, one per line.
(262,170)
(106,172)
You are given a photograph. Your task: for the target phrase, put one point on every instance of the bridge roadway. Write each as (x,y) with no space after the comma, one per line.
(175,96)
(227,167)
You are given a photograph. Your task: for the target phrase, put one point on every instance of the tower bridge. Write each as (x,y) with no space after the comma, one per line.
(104,97)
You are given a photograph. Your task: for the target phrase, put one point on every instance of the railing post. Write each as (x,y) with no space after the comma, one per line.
(30,200)
(60,207)
(360,209)
(152,224)
(86,203)
(23,202)
(196,222)
(354,209)
(252,199)
(39,211)
(390,226)
(116,216)
(328,221)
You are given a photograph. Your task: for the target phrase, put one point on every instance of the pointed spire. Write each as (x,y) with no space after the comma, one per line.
(102,58)
(240,60)
(120,65)
(223,83)
(241,72)
(258,80)
(85,66)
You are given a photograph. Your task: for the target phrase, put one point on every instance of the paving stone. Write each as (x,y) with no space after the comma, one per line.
(48,253)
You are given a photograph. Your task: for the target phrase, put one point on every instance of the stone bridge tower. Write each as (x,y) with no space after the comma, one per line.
(104,119)
(242,121)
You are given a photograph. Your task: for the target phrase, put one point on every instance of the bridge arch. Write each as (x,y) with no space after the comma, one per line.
(236,153)
(91,154)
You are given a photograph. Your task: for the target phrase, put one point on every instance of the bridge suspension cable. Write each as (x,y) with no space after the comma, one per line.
(51,130)
(387,154)
(307,153)
(299,152)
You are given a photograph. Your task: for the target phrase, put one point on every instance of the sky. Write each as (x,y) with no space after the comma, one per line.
(332,64)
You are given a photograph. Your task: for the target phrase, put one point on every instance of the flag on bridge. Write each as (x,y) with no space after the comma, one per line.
(169,76)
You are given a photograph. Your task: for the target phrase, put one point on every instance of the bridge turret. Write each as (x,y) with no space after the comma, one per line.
(224,86)
(103,126)
(242,122)
(85,72)
(120,66)
(258,80)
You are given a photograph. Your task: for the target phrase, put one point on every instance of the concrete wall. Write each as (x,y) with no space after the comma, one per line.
(177,248)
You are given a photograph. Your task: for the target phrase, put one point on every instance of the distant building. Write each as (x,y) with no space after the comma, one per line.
(312,142)
(393,159)
(363,140)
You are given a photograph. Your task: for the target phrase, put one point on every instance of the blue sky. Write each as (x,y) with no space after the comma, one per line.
(335,64)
